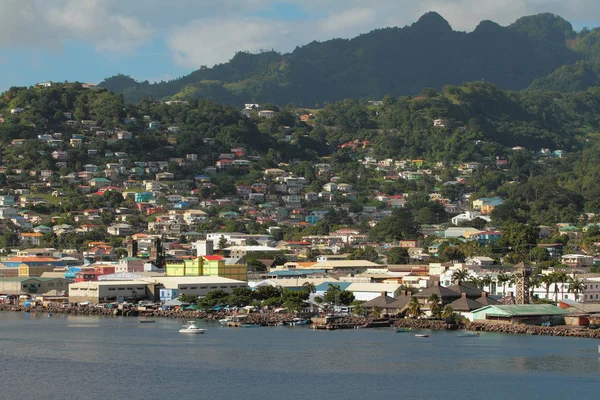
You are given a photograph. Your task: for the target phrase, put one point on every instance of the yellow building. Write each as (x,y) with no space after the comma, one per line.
(26,270)
(207,266)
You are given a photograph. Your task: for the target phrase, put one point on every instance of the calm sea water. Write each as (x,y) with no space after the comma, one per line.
(71,357)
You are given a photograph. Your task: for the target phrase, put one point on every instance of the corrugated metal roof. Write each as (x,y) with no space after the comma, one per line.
(521,310)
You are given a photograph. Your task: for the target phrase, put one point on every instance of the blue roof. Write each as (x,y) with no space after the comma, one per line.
(325,285)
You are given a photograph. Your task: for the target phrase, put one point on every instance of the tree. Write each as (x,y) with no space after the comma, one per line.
(335,296)
(562,278)
(451,253)
(398,226)
(397,255)
(539,254)
(222,244)
(213,298)
(576,286)
(434,305)
(414,308)
(487,281)
(368,253)
(448,311)
(188,298)
(459,276)
(502,279)
(266,292)
(309,287)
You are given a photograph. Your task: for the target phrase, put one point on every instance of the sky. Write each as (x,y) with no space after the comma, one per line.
(155,40)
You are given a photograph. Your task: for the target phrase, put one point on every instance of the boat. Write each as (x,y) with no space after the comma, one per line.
(191,327)
(231,319)
(250,326)
(147,321)
(299,321)
(468,334)
(421,335)
(402,330)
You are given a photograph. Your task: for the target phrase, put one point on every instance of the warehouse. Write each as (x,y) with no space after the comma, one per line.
(151,288)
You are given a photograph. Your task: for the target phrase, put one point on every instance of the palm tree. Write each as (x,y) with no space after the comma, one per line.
(414,308)
(576,286)
(434,305)
(448,311)
(503,279)
(309,287)
(459,275)
(562,278)
(475,281)
(547,281)
(487,281)
(534,282)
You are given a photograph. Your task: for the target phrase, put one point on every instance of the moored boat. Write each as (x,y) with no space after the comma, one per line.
(147,321)
(299,321)
(402,330)
(421,335)
(250,326)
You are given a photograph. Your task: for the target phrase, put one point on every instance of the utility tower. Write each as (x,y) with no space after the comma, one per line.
(522,283)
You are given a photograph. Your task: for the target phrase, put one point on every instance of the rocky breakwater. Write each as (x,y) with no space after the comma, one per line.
(424,324)
(535,330)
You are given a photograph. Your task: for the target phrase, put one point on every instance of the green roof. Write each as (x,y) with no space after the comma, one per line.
(521,310)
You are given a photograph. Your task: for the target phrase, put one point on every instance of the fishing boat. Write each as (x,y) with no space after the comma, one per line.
(421,335)
(147,321)
(191,327)
(299,321)
(402,330)
(250,326)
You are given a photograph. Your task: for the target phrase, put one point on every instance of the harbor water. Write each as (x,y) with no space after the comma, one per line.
(78,357)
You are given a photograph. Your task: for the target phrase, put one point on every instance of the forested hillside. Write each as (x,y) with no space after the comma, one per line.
(396,61)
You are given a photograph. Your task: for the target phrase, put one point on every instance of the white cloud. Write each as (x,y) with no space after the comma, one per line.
(350,19)
(204,32)
(49,24)
(210,41)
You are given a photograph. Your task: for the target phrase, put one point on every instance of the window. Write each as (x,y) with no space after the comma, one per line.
(129,288)
(50,284)
(111,289)
(223,287)
(214,287)
(203,287)
(183,288)
(121,288)
(194,287)
(139,288)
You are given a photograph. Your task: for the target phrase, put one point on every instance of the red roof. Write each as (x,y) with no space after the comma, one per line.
(213,258)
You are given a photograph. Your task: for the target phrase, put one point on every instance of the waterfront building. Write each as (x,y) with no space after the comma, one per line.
(532,314)
(28,285)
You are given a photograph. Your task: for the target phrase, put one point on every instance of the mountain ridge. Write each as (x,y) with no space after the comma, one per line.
(396,61)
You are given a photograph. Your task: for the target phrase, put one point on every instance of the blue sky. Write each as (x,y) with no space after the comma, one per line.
(89,40)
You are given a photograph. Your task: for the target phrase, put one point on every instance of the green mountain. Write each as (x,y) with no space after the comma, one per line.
(397,61)
(570,78)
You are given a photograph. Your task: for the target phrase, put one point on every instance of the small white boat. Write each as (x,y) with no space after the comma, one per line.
(191,327)
(299,321)
(231,319)
(421,335)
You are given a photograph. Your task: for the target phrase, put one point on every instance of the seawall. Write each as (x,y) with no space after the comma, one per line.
(501,328)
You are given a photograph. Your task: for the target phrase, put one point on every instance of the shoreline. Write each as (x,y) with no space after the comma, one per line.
(563,331)
(350,322)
